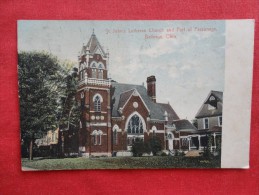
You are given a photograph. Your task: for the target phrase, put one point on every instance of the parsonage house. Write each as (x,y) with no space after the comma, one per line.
(209,118)
(115,114)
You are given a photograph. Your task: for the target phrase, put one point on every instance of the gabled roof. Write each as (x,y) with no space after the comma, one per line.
(184,125)
(204,110)
(170,111)
(121,92)
(124,97)
(93,44)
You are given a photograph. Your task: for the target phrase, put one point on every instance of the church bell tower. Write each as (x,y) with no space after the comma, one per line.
(94,96)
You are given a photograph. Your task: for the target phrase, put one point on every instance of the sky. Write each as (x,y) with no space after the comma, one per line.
(187,57)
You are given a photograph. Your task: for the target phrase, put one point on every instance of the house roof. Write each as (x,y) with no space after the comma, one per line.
(204,110)
(184,125)
(92,45)
(121,93)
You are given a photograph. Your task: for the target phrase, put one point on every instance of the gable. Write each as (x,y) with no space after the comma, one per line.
(131,96)
(212,106)
(156,110)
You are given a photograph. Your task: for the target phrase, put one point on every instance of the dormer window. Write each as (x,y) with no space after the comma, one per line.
(212,104)
(212,98)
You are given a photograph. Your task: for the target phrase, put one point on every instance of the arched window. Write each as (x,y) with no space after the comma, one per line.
(154,129)
(94,134)
(115,137)
(100,133)
(115,134)
(101,66)
(94,73)
(135,125)
(169,136)
(93,65)
(212,98)
(97,104)
(100,74)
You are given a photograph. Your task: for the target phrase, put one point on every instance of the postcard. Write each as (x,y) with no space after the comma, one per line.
(135,94)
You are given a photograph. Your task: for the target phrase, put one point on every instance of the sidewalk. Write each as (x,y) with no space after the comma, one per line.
(29,169)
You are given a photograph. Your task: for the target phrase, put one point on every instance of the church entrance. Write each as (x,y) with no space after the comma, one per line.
(170,141)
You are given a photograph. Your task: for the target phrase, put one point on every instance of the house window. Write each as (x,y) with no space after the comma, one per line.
(185,142)
(135,125)
(206,123)
(115,137)
(220,121)
(97,104)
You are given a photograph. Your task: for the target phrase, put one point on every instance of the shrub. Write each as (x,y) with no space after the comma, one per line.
(155,145)
(138,147)
(163,154)
(207,150)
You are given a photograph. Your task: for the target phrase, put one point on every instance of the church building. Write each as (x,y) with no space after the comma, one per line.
(115,114)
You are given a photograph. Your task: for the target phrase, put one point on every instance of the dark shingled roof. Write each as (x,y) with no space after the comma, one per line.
(124,97)
(92,44)
(205,112)
(184,125)
(120,92)
(170,111)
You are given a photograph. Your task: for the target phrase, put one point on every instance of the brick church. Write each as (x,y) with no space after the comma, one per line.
(115,114)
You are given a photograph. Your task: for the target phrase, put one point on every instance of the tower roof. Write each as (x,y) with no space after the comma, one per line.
(93,45)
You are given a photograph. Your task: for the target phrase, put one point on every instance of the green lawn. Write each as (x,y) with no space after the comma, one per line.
(121,163)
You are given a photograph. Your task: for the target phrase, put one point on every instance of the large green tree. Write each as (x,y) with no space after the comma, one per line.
(42,83)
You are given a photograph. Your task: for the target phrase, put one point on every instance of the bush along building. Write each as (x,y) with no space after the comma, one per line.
(116,115)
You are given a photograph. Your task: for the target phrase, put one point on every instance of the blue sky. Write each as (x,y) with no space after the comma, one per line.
(187,66)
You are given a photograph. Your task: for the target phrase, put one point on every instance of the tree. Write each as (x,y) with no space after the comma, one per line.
(195,123)
(41,83)
(70,116)
(207,150)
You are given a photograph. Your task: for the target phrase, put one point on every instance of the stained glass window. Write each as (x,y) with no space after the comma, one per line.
(135,125)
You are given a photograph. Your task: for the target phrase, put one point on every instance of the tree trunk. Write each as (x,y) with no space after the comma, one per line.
(30,150)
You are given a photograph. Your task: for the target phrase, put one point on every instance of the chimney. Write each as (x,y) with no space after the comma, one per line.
(151,87)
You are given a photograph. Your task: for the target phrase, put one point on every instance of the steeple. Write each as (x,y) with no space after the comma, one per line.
(93,45)
(93,63)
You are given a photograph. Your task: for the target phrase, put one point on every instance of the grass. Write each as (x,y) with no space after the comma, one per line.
(121,163)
